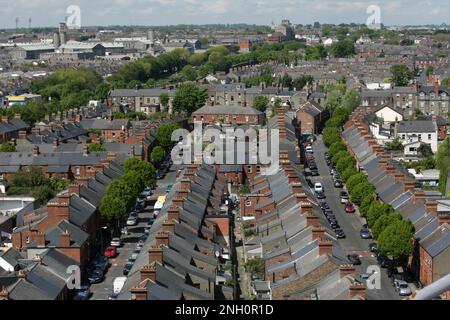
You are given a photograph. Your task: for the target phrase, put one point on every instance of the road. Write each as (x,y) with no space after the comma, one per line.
(101,291)
(351,223)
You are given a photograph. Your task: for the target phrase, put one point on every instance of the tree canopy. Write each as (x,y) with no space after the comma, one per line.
(401,74)
(164,134)
(188,98)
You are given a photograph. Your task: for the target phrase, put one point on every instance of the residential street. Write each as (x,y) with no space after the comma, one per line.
(351,223)
(101,291)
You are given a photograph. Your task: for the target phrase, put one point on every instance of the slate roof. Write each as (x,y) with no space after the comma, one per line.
(77,236)
(227,110)
(417,126)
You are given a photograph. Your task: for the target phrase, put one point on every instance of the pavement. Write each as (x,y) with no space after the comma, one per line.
(101,291)
(351,223)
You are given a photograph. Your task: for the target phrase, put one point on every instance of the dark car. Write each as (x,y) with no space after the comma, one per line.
(328,161)
(314,172)
(328,212)
(339,233)
(337,176)
(83,293)
(384,261)
(331,217)
(323,205)
(373,247)
(96,276)
(338,184)
(354,259)
(127,268)
(365,233)
(310,184)
(101,263)
(326,156)
(391,271)
(334,224)
(320,195)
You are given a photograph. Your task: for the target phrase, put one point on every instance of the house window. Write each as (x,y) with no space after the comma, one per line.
(429,136)
(113,133)
(27,239)
(258,169)
(232,98)
(419,136)
(249,169)
(77,171)
(248,203)
(246,118)
(403,137)
(89,168)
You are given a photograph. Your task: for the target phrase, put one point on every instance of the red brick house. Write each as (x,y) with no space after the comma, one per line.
(234,114)
(311,118)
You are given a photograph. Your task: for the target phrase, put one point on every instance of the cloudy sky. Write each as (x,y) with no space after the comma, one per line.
(164,12)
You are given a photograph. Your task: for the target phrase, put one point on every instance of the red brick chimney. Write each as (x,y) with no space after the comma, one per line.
(409,185)
(5,119)
(419,195)
(185,183)
(65,239)
(17,116)
(138,293)
(443,217)
(57,212)
(301,197)
(436,88)
(162,238)
(306,207)
(183,193)
(4,294)
(173,214)
(74,188)
(318,232)
(431,207)
(325,247)
(357,290)
(347,269)
(178,201)
(168,227)
(40,239)
(297,187)
(155,254)
(312,220)
(148,272)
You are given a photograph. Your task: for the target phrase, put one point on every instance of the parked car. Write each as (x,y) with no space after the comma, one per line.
(110,252)
(338,183)
(96,276)
(83,293)
(349,207)
(354,259)
(365,233)
(339,233)
(132,221)
(334,224)
(127,268)
(102,263)
(403,288)
(116,242)
(323,205)
(391,271)
(320,195)
(337,176)
(384,261)
(330,216)
(179,172)
(328,212)
(310,184)
(314,172)
(344,197)
(169,187)
(318,187)
(373,247)
(363,277)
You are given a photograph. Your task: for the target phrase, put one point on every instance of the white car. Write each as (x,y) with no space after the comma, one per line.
(116,242)
(309,149)
(318,187)
(132,221)
(403,288)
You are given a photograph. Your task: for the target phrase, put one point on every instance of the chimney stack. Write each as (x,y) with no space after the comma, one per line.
(162,238)
(347,269)
(148,272)
(138,293)
(155,254)
(5,119)
(74,188)
(357,290)
(431,207)
(22,135)
(444,217)
(65,239)
(4,294)
(325,247)
(35,151)
(312,220)
(173,214)
(168,227)
(318,232)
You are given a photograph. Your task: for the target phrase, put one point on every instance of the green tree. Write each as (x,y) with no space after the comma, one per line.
(146,170)
(7,147)
(383,222)
(336,147)
(396,239)
(157,156)
(260,103)
(164,134)
(430,70)
(331,135)
(341,154)
(365,204)
(189,98)
(286,81)
(342,49)
(96,147)
(354,180)
(351,100)
(333,100)
(189,73)
(401,74)
(345,162)
(164,100)
(300,82)
(42,194)
(350,171)
(360,191)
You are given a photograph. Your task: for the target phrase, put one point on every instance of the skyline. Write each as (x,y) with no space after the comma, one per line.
(48,13)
